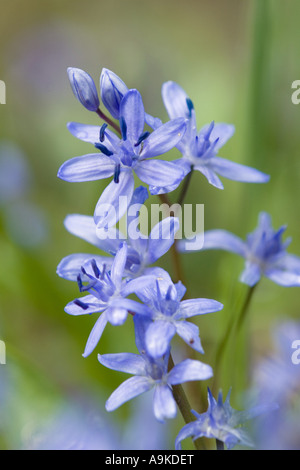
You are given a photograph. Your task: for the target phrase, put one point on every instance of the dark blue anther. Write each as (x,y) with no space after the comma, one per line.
(190,106)
(168,295)
(123,127)
(117,173)
(81,304)
(102,132)
(95,268)
(103,272)
(103,149)
(79,282)
(142,137)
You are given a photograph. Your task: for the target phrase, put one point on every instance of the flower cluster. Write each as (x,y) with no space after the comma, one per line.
(126,146)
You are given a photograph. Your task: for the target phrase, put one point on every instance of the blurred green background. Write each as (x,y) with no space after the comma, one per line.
(236,60)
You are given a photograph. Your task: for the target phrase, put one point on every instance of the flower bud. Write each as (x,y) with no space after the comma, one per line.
(84,88)
(112,90)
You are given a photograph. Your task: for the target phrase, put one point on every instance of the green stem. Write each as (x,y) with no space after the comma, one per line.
(184,405)
(233,328)
(108,120)
(245,308)
(185,187)
(175,255)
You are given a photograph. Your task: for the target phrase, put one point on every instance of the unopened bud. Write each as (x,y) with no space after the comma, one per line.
(112,90)
(84,88)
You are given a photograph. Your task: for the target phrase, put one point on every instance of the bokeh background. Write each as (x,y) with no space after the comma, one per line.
(237,61)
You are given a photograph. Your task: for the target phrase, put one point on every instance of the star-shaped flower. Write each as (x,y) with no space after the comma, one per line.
(170,314)
(149,373)
(122,158)
(200,149)
(108,292)
(264,251)
(221,422)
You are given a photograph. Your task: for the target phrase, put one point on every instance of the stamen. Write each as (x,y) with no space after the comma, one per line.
(95,268)
(168,295)
(190,106)
(79,282)
(103,272)
(209,130)
(142,137)
(102,132)
(123,126)
(103,149)
(81,304)
(117,173)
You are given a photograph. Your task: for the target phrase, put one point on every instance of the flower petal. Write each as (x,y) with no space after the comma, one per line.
(131,306)
(289,263)
(89,167)
(164,138)
(83,226)
(70,266)
(251,274)
(192,307)
(190,335)
(129,389)
(223,240)
(188,430)
(189,370)
(114,201)
(158,337)
(164,405)
(118,266)
(210,175)
(237,172)
(116,315)
(159,172)
(161,238)
(95,335)
(134,286)
(133,113)
(91,134)
(124,362)
(283,278)
(174,98)
(85,306)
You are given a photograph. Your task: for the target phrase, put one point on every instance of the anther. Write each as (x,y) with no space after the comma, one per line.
(117,173)
(190,106)
(81,304)
(95,268)
(123,127)
(102,132)
(141,138)
(103,149)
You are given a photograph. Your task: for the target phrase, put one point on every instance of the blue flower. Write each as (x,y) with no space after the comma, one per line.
(278,375)
(169,315)
(84,88)
(264,251)
(121,158)
(199,149)
(107,294)
(149,373)
(112,90)
(221,422)
(142,250)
